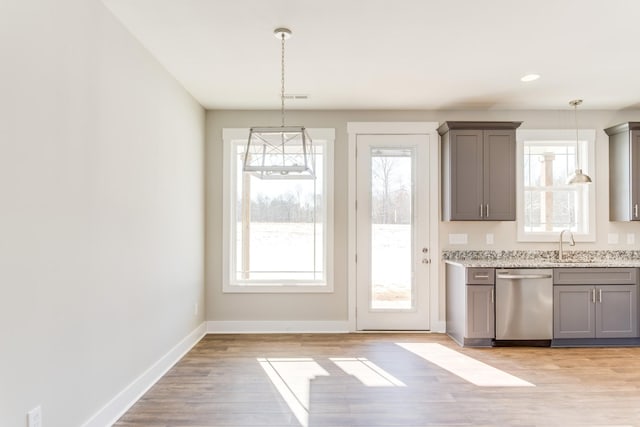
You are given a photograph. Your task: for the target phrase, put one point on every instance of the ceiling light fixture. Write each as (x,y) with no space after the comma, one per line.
(529,78)
(283,152)
(578,177)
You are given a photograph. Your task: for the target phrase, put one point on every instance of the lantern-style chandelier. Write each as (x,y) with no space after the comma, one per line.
(281,152)
(578,177)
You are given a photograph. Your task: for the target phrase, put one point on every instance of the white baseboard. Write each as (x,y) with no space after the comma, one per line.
(113,410)
(277,326)
(439,326)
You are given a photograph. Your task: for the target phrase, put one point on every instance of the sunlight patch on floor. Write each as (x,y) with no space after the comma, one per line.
(463,366)
(367,372)
(292,378)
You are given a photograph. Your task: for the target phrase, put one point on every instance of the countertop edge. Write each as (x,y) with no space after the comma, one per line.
(541,264)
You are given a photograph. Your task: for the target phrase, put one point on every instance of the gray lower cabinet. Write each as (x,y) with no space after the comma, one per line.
(470,312)
(478,171)
(573,312)
(480,322)
(591,305)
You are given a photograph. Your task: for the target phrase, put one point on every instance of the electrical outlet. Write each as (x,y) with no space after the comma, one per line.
(34,417)
(631,238)
(489,238)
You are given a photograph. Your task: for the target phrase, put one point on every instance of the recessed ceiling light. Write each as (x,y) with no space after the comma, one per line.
(530,77)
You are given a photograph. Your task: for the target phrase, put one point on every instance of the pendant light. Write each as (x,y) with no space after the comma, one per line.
(578,177)
(281,152)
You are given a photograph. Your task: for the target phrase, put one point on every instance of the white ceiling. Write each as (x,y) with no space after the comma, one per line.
(396,54)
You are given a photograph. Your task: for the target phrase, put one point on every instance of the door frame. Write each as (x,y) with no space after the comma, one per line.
(436,324)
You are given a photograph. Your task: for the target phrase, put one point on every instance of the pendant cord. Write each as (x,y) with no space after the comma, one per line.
(575,115)
(282,80)
(575,104)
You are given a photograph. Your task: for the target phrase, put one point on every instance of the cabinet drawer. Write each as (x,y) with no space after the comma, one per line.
(595,276)
(480,276)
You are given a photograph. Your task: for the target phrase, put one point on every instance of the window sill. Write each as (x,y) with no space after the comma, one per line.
(270,288)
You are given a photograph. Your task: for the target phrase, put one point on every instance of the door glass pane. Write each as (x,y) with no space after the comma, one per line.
(391,228)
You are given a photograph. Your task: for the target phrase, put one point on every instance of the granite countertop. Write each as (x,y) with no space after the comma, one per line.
(542,259)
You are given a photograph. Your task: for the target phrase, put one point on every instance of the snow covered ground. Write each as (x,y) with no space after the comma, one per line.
(289,247)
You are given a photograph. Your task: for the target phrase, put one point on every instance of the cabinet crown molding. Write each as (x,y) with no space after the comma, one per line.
(451,125)
(622,127)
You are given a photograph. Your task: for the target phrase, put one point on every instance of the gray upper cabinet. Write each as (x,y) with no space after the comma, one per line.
(624,171)
(478,171)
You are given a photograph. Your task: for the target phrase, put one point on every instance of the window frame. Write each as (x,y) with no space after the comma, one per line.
(588,166)
(233,136)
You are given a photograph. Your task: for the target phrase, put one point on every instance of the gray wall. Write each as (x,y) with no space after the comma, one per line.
(222,307)
(101,210)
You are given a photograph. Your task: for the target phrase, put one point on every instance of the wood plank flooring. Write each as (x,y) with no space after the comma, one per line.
(371,380)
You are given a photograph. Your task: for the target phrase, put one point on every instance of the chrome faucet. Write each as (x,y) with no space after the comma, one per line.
(571,243)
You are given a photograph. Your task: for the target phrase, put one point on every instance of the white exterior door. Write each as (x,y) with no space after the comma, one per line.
(392,237)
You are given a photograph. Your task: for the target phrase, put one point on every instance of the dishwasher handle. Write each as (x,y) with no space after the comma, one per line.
(524,276)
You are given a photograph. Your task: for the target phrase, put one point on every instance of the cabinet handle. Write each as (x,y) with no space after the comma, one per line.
(593,295)
(600,295)
(492,296)
(481,276)
(487,210)
(635,211)
(480,210)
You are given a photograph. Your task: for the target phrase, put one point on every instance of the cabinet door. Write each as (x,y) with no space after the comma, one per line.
(466,174)
(499,175)
(616,311)
(480,312)
(635,175)
(573,311)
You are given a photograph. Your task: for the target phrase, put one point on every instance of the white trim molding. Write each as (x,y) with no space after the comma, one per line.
(232,136)
(547,135)
(276,326)
(116,407)
(397,128)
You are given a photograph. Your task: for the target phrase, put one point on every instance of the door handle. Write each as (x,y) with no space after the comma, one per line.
(523,276)
(426,261)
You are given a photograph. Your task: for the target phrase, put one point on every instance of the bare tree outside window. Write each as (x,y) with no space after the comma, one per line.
(391,200)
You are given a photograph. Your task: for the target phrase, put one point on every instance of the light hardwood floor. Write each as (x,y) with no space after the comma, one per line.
(389,380)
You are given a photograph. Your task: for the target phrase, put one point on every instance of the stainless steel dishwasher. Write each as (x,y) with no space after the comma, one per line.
(524,307)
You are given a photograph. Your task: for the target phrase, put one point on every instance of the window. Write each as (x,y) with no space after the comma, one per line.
(278,233)
(546,203)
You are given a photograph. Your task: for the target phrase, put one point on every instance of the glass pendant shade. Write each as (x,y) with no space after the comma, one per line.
(283,152)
